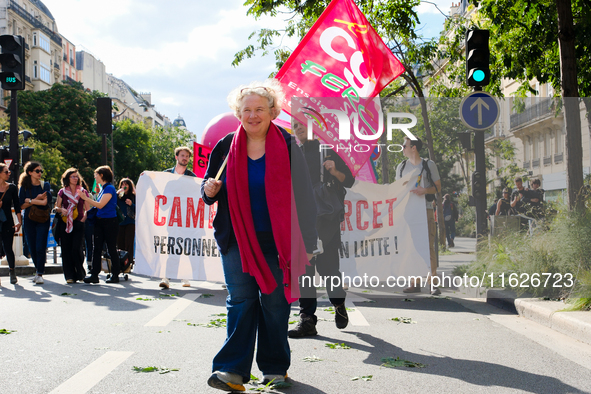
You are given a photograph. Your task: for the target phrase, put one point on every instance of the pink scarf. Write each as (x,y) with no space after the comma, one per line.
(72,203)
(282,211)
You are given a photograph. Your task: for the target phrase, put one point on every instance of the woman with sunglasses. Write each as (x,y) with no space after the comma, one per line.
(106,225)
(34,192)
(9,199)
(73,211)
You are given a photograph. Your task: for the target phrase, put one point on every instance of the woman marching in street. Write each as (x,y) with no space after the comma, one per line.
(8,200)
(106,224)
(126,203)
(73,210)
(35,199)
(261,207)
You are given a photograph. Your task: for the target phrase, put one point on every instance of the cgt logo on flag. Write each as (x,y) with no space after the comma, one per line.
(342,56)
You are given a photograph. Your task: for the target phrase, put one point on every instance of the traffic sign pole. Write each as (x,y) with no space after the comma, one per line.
(479,111)
(14,136)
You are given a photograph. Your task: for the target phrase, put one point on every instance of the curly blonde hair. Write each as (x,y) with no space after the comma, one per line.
(270,89)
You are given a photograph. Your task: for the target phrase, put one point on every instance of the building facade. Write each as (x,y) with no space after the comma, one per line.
(69,71)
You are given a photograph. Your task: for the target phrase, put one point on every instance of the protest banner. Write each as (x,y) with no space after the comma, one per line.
(384,231)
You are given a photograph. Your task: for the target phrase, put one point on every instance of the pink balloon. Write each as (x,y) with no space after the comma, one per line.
(218,128)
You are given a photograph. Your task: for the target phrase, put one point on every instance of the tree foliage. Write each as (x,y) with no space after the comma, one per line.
(63,118)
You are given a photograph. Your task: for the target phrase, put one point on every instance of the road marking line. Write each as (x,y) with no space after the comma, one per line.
(172,311)
(86,379)
(356,318)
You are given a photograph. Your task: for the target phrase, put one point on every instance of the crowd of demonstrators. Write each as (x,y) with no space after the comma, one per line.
(72,210)
(35,198)
(9,199)
(106,225)
(338,176)
(254,232)
(503,207)
(522,201)
(450,217)
(182,155)
(428,183)
(126,204)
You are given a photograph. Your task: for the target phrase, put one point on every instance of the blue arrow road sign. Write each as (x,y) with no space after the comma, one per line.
(479,111)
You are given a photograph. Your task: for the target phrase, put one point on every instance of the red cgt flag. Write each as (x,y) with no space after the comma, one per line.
(341,56)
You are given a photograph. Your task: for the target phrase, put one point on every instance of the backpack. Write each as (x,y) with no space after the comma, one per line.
(428,197)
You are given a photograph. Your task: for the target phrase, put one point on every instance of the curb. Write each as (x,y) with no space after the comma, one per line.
(29,270)
(575,324)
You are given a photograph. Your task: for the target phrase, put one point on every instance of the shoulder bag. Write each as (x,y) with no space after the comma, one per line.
(37,214)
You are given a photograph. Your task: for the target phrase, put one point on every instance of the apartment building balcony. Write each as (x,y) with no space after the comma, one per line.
(535,163)
(547,160)
(526,165)
(13,5)
(542,109)
(558,157)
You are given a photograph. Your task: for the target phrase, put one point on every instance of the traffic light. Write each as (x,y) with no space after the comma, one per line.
(12,59)
(477,184)
(26,154)
(477,58)
(104,117)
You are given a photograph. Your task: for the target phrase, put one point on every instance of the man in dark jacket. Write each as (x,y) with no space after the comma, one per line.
(182,155)
(338,176)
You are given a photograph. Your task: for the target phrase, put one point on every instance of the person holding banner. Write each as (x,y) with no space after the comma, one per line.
(428,183)
(106,225)
(338,176)
(73,211)
(182,154)
(265,231)
(8,228)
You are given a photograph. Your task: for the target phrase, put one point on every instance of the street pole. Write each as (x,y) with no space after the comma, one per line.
(13,147)
(480,163)
(104,150)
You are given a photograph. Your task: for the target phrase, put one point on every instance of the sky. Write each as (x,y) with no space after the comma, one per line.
(181,51)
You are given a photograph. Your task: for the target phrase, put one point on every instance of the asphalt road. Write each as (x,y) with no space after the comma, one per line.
(88,338)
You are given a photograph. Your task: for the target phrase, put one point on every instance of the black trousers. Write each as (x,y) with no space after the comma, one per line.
(327,264)
(105,230)
(71,243)
(7,239)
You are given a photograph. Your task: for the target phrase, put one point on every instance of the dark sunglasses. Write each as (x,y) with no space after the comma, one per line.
(39,171)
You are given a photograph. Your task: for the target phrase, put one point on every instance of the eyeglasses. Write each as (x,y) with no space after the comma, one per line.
(268,90)
(74,176)
(39,171)
(6,172)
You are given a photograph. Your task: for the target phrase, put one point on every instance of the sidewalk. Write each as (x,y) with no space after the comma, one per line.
(575,324)
(53,266)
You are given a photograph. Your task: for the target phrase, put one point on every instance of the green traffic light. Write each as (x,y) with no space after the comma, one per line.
(478,75)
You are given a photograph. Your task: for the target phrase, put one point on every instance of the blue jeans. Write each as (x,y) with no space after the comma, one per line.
(251,312)
(36,234)
(450,230)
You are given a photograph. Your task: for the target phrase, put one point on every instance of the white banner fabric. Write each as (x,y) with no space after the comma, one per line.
(384,232)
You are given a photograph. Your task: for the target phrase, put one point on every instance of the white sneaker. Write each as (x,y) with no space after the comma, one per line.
(186,282)
(164,283)
(38,280)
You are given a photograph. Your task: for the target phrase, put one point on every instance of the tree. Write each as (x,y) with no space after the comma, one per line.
(133,149)
(63,117)
(163,142)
